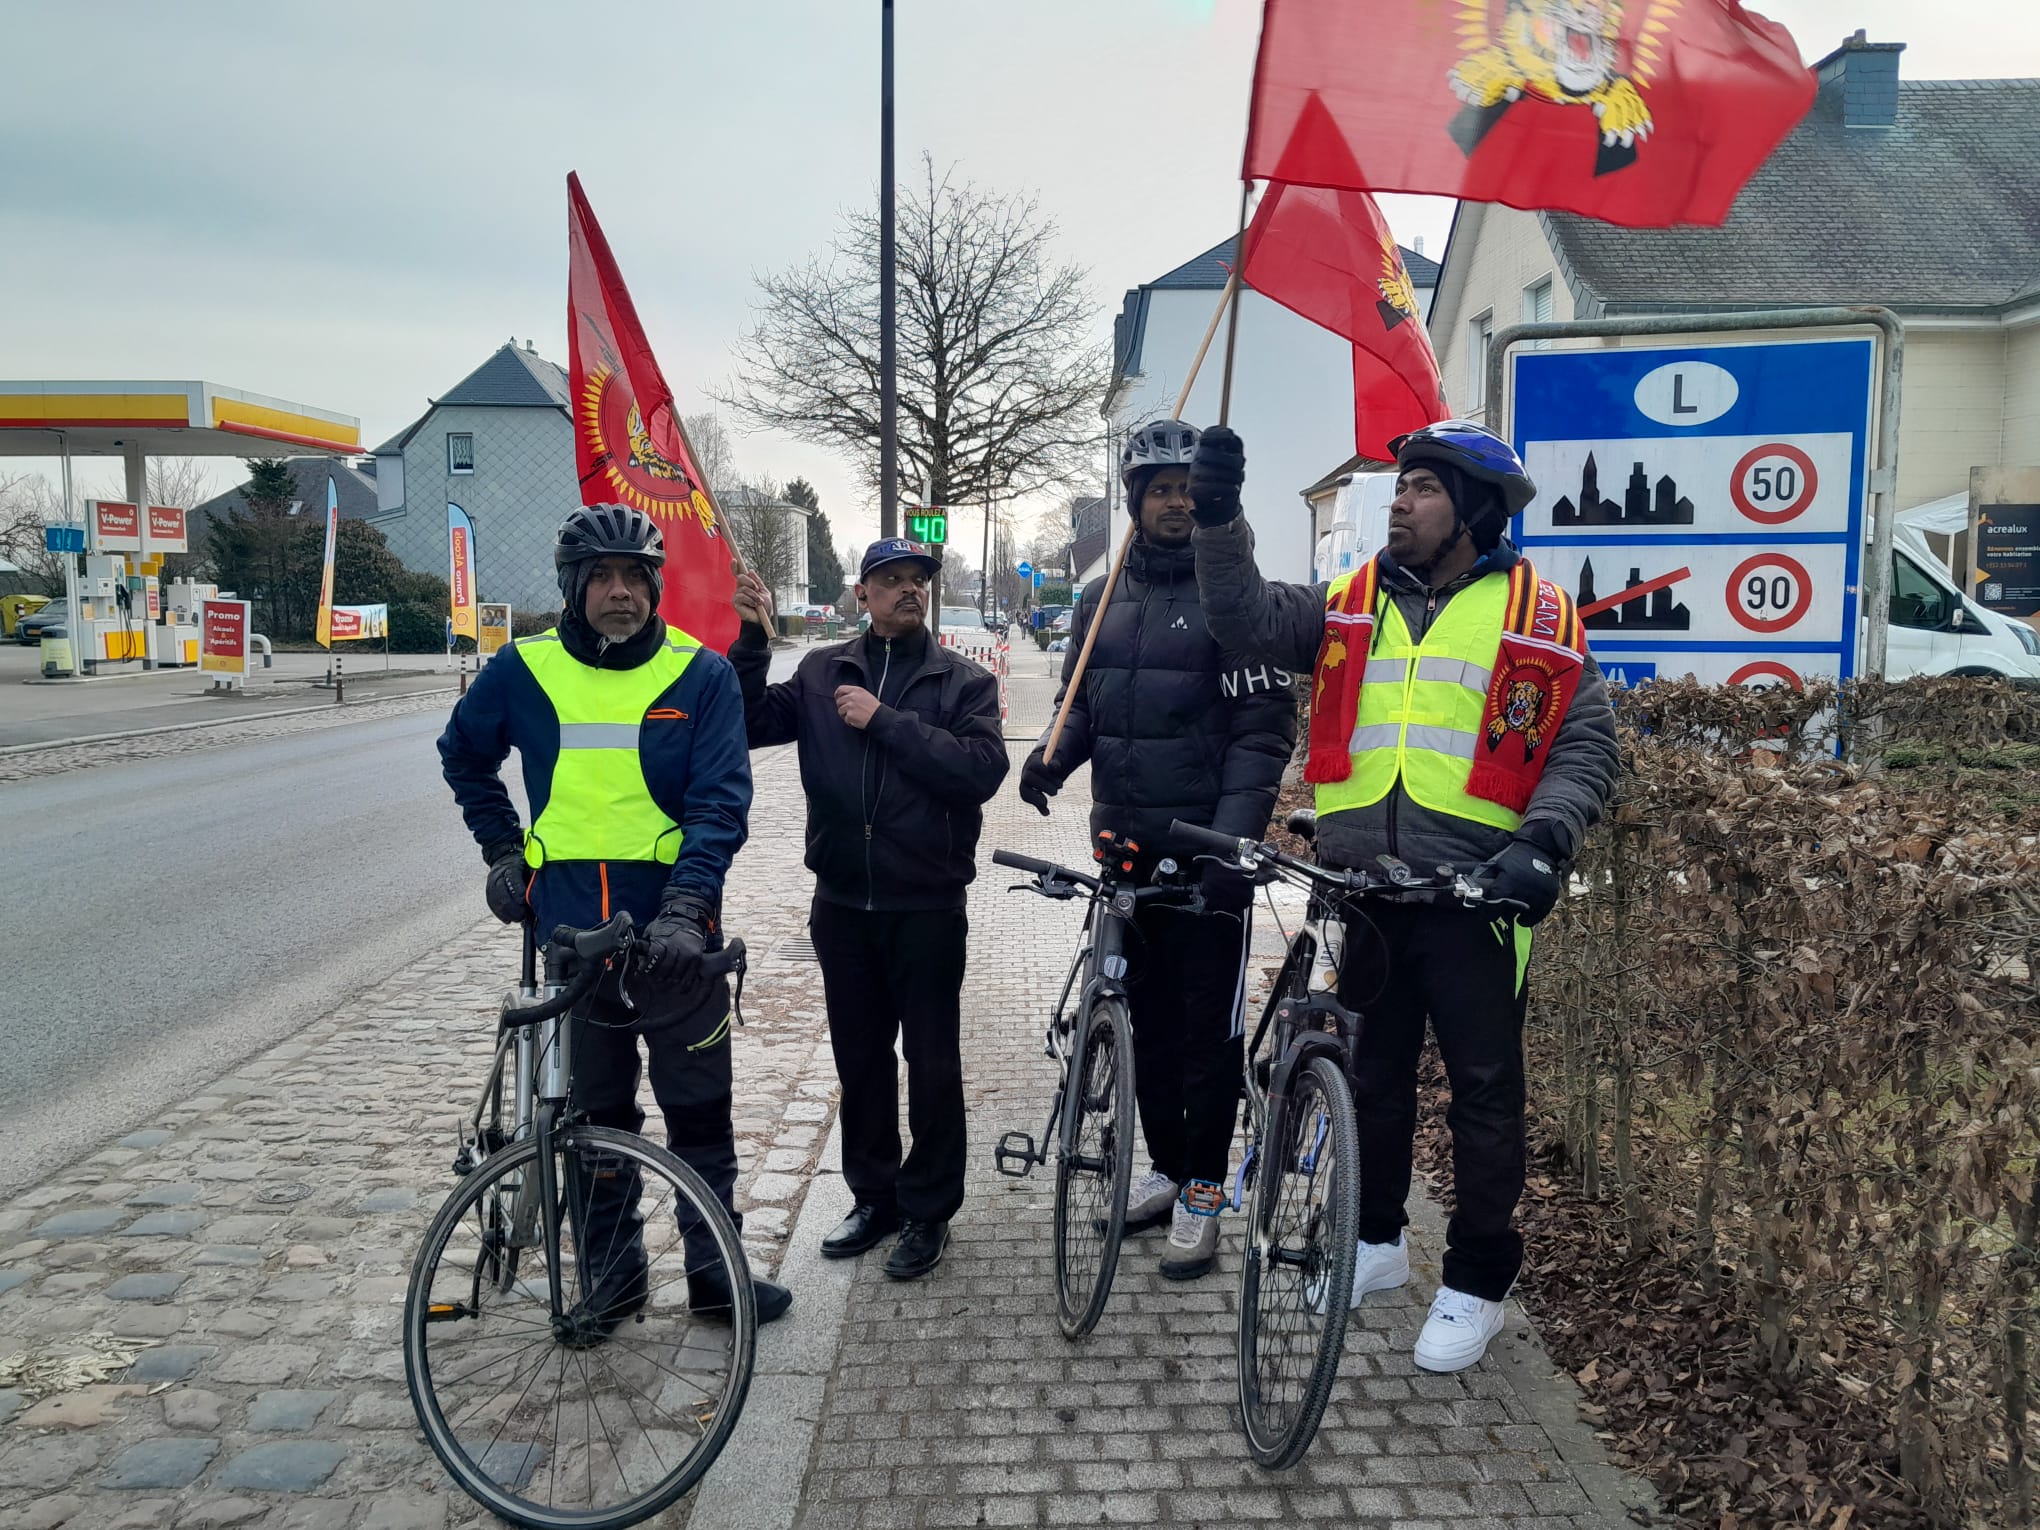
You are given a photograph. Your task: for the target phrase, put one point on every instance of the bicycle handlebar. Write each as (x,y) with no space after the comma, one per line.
(1026,863)
(1397,880)
(594,950)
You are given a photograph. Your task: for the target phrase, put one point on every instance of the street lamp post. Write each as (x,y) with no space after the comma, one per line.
(888,361)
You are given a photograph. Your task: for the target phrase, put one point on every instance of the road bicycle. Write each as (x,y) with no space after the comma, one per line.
(550,1352)
(1090,1121)
(1300,1174)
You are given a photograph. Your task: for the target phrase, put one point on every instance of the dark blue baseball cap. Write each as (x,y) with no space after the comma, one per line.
(892,550)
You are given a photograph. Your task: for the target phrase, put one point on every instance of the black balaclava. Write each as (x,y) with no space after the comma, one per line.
(585,643)
(1137,486)
(1478,503)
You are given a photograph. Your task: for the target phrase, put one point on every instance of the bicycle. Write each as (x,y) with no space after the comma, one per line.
(1302,1162)
(547,1409)
(1090,1120)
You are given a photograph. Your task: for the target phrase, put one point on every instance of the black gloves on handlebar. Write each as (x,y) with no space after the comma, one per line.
(1038,783)
(1526,871)
(677,938)
(1217,474)
(509,877)
(1226,889)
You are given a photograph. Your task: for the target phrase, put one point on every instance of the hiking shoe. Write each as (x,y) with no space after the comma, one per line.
(1193,1235)
(1150,1201)
(1381,1267)
(1457,1332)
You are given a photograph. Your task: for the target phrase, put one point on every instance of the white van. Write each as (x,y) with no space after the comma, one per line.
(1935,628)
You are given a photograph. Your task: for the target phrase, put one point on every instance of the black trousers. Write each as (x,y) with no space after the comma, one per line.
(889,975)
(1404,963)
(688,1038)
(1185,995)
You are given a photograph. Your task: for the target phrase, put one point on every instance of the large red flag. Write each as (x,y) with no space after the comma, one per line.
(1639,112)
(1329,256)
(627,441)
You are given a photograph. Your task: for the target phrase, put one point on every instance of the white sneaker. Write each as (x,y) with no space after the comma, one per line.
(1150,1201)
(1193,1244)
(1381,1267)
(1457,1332)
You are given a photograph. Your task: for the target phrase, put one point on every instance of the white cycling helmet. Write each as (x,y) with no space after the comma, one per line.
(1157,444)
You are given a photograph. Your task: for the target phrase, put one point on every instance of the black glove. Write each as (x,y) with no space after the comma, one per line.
(1038,783)
(1525,872)
(508,879)
(676,939)
(1226,889)
(1217,473)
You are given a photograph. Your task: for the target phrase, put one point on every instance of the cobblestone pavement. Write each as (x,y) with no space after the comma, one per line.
(235,1270)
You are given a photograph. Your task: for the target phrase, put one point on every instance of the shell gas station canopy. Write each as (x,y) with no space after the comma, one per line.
(163,419)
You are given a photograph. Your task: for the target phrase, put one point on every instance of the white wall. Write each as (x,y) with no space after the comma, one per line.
(2022,397)
(1952,416)
(1504,251)
(1292,403)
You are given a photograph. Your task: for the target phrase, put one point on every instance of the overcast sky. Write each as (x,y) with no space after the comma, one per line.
(351,206)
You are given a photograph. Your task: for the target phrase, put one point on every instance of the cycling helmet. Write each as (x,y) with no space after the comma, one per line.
(608,531)
(1157,444)
(1476,451)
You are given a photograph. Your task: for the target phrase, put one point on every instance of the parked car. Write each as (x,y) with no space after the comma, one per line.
(962,618)
(48,622)
(1064,622)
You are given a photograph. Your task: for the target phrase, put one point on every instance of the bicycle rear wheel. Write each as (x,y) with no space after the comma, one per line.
(537,1417)
(1093,1167)
(1297,1271)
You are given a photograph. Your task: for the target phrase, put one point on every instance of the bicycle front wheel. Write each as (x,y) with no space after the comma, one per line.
(598,1412)
(1297,1273)
(1093,1167)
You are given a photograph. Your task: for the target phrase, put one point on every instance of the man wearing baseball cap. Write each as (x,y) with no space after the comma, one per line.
(900,747)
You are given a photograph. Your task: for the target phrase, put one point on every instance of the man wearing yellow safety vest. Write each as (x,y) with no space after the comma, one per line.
(1456,719)
(631,737)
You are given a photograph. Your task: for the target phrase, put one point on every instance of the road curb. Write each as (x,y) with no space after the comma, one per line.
(211,722)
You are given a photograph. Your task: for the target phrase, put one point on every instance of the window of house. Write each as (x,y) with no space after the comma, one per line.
(460,452)
(1537,307)
(1480,335)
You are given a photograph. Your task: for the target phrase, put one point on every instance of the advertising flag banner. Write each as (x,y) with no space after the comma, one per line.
(1329,255)
(460,546)
(1645,113)
(628,445)
(325,632)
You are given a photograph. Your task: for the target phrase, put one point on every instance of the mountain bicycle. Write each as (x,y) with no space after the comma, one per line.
(550,1352)
(1090,1121)
(1300,1175)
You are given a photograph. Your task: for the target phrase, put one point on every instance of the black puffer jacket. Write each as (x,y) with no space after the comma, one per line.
(894,809)
(1174,726)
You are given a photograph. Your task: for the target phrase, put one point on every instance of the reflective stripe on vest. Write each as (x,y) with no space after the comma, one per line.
(1421,706)
(600,808)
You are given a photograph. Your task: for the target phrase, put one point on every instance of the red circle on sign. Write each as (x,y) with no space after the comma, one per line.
(1767,669)
(1809,482)
(1748,566)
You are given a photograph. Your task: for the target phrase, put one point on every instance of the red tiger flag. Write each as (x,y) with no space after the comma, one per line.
(627,441)
(1329,256)
(1639,112)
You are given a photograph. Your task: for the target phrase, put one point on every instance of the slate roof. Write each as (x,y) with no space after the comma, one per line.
(354,488)
(512,378)
(1939,211)
(1090,520)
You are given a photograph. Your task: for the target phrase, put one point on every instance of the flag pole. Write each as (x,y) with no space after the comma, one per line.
(1225,301)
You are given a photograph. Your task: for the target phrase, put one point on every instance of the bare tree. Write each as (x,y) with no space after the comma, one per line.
(29,503)
(999,377)
(179,481)
(767,530)
(713,453)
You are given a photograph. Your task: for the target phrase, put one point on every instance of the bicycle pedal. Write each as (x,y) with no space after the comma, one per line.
(1015,1156)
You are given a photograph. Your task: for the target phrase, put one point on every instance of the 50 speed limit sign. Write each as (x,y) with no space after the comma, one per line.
(1769,592)
(1774,483)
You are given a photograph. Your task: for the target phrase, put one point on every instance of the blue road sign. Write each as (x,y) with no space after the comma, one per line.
(1025,569)
(64,539)
(1704,504)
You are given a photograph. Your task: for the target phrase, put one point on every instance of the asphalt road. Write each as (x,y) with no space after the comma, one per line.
(165,919)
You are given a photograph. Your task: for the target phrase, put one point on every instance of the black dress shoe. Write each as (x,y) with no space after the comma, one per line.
(708,1296)
(596,1316)
(918,1251)
(865,1228)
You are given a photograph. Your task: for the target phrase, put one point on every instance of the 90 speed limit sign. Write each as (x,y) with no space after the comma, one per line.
(1770,592)
(1774,483)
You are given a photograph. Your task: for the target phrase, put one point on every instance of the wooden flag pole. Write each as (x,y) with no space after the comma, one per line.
(1226,299)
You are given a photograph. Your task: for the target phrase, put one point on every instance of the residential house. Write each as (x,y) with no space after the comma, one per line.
(1922,196)
(773,534)
(1092,543)
(354,489)
(1292,394)
(500,444)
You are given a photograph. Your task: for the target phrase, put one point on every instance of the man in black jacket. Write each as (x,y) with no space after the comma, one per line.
(1175,727)
(900,748)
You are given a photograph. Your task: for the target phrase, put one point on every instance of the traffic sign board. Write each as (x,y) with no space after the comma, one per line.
(1704,502)
(1025,570)
(64,539)
(929,526)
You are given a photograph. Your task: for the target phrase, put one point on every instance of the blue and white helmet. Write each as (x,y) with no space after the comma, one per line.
(1476,451)
(1157,444)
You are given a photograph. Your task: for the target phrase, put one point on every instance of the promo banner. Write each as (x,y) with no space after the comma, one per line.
(352,623)
(223,637)
(325,632)
(495,631)
(460,543)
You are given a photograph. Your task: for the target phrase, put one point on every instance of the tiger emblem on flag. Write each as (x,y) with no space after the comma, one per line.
(1566,52)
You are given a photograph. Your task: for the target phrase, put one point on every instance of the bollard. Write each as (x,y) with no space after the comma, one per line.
(339,682)
(463,674)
